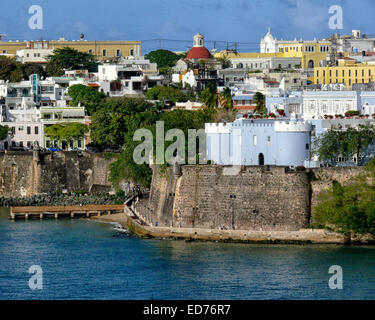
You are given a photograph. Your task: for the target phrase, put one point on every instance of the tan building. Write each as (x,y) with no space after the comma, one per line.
(347,72)
(103,50)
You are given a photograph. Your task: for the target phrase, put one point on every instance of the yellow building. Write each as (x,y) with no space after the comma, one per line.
(101,49)
(347,72)
(312,53)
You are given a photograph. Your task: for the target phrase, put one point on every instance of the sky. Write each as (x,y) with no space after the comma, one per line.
(242,21)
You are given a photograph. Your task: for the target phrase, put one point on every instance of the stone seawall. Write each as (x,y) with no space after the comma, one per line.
(255,199)
(24,174)
(133,220)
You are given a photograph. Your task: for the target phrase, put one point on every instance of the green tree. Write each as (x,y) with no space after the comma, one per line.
(16,75)
(87,96)
(32,68)
(68,58)
(349,143)
(225,61)
(7,67)
(349,208)
(327,146)
(209,96)
(163,58)
(166,93)
(124,167)
(66,131)
(4,131)
(54,69)
(112,122)
(226,99)
(260,101)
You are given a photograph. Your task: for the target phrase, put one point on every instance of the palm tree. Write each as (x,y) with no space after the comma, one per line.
(209,96)
(259,100)
(225,61)
(226,100)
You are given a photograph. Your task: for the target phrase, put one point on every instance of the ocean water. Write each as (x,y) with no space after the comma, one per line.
(82,259)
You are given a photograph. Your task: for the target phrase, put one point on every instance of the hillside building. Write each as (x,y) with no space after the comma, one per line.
(102,50)
(347,72)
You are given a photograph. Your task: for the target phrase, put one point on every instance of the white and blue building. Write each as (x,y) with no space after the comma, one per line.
(249,142)
(279,142)
(317,104)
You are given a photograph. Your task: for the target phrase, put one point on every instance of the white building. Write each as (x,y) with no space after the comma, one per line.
(189,105)
(131,77)
(188,77)
(317,104)
(354,43)
(269,44)
(265,63)
(55,115)
(21,106)
(126,68)
(24,134)
(35,52)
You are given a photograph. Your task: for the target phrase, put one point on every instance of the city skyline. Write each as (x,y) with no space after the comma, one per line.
(242,21)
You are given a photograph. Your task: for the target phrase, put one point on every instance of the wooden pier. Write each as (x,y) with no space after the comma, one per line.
(57,212)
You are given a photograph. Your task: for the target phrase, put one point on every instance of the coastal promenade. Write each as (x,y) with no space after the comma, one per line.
(64,211)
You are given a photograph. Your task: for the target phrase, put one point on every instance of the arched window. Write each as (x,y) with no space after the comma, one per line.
(261,159)
(311,64)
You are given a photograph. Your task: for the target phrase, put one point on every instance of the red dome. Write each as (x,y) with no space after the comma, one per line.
(198,53)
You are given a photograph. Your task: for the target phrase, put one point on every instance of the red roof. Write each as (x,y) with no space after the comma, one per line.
(94,85)
(198,53)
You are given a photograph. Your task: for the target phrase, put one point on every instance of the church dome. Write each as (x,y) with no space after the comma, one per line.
(198,53)
(269,36)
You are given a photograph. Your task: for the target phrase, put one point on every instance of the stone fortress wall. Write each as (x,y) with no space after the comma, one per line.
(258,198)
(191,196)
(24,174)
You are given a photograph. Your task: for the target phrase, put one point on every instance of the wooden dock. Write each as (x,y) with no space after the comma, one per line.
(57,212)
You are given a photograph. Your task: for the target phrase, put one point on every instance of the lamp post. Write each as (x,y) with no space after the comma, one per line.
(233,197)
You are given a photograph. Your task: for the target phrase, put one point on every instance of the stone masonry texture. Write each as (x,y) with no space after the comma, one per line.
(24,175)
(257,198)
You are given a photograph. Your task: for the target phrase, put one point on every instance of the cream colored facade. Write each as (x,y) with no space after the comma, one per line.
(309,59)
(312,53)
(347,72)
(103,50)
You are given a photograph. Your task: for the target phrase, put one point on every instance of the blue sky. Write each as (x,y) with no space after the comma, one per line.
(244,21)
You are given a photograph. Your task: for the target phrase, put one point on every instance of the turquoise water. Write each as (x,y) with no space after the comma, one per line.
(82,259)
